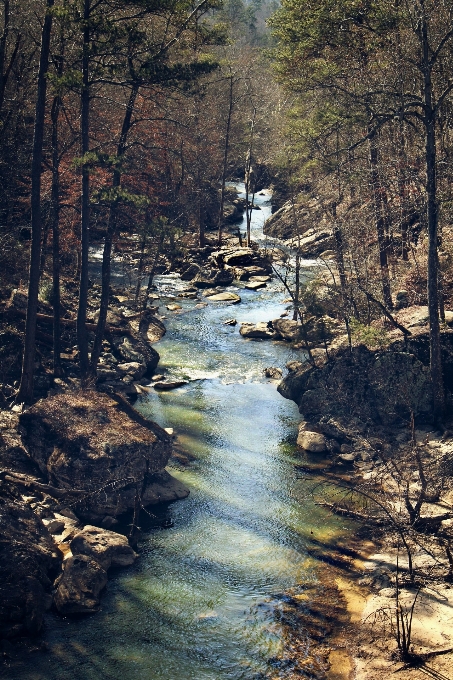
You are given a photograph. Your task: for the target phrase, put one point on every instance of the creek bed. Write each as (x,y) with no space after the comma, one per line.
(197,605)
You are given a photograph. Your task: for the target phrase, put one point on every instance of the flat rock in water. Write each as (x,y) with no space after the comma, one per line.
(230,322)
(225,297)
(261,279)
(173,307)
(169,384)
(190,295)
(255,285)
(258,330)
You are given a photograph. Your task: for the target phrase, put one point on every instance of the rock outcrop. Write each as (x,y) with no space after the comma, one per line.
(85,442)
(384,387)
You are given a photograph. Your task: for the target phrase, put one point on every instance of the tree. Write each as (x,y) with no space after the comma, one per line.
(26,385)
(404,49)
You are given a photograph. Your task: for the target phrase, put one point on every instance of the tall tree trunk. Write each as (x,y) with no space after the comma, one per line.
(248,181)
(82,335)
(432,218)
(55,202)
(26,384)
(225,159)
(111,230)
(5,68)
(379,219)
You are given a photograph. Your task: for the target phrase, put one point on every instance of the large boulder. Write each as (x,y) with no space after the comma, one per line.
(107,547)
(382,386)
(79,587)
(291,331)
(85,441)
(129,348)
(260,330)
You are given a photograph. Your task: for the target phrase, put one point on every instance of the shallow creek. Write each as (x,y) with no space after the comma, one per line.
(198,603)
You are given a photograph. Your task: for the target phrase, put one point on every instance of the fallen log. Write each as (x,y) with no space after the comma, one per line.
(70,323)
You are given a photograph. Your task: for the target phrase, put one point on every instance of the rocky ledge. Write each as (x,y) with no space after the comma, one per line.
(69,466)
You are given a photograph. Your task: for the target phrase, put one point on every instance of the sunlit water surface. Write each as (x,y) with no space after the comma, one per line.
(189,608)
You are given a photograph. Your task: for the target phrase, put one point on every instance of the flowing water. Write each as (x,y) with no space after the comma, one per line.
(197,605)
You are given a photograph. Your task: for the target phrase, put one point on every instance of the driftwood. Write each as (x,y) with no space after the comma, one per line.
(70,323)
(353,514)
(72,496)
(33,484)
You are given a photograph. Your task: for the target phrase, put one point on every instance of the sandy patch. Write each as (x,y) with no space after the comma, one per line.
(376,657)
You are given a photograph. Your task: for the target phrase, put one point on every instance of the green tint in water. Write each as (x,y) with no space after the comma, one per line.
(189,608)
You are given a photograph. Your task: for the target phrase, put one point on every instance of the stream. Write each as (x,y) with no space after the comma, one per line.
(199,603)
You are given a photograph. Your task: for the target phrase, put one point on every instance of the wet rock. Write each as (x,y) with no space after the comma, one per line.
(260,279)
(225,297)
(85,441)
(173,307)
(169,384)
(258,330)
(255,285)
(163,488)
(347,458)
(235,257)
(188,295)
(273,372)
(78,589)
(312,441)
(255,270)
(107,547)
(289,330)
(150,328)
(230,322)
(294,366)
